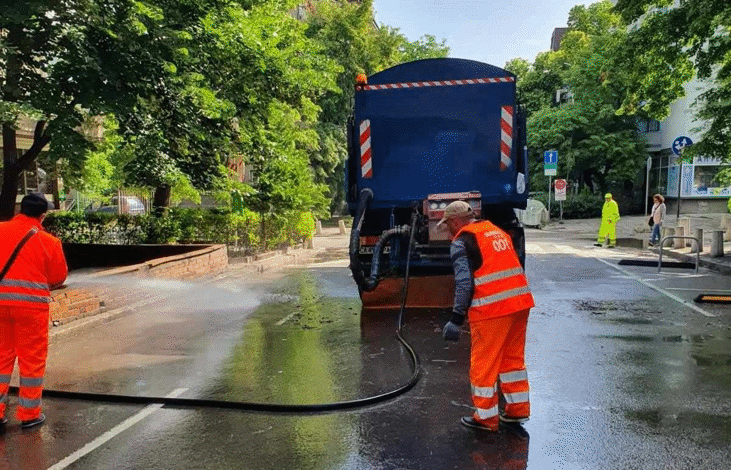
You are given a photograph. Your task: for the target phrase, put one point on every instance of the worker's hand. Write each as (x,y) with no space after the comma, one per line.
(451,331)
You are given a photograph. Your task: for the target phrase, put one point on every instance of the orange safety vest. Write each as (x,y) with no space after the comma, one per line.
(500,285)
(39,266)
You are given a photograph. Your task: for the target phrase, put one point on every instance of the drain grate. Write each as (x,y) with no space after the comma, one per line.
(665,264)
(713,299)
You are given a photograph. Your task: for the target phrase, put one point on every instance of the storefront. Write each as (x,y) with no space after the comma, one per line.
(700,190)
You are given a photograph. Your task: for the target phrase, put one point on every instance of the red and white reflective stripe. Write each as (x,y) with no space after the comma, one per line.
(473,81)
(366,168)
(506,144)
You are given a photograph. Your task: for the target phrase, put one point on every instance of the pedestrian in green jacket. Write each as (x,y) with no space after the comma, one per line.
(610,216)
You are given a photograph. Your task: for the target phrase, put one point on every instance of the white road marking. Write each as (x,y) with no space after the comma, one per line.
(720,291)
(655,288)
(112,433)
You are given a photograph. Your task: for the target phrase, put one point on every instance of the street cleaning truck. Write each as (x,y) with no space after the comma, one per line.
(423,134)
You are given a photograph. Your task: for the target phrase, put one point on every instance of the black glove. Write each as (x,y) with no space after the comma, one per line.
(452,328)
(451,331)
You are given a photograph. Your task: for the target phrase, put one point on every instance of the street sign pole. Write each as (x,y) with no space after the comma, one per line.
(550,168)
(560,205)
(679,144)
(550,186)
(647,184)
(680,181)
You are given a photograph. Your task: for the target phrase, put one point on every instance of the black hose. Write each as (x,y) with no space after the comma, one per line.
(179,403)
(355,265)
(372,282)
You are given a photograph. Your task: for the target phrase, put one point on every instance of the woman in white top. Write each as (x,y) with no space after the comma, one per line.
(658,215)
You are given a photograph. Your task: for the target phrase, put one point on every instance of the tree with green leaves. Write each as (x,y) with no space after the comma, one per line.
(669,44)
(65,62)
(347,34)
(597,140)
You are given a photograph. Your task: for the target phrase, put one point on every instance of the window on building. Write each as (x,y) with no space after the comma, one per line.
(647,125)
(705,177)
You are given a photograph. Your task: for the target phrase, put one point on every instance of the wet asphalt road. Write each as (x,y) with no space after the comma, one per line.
(623,376)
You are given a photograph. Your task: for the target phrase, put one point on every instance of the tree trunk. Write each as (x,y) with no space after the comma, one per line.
(14,165)
(10,173)
(161,198)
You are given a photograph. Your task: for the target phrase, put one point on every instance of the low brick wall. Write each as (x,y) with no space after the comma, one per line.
(72,303)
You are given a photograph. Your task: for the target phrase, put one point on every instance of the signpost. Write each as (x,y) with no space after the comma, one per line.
(678,145)
(560,186)
(550,168)
(647,184)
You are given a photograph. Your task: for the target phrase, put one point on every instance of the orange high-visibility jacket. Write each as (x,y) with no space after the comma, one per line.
(501,287)
(40,264)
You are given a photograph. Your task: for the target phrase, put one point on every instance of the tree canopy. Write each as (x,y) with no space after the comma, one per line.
(670,43)
(574,99)
(181,88)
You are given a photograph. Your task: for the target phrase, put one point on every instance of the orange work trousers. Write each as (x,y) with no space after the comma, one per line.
(497,368)
(23,335)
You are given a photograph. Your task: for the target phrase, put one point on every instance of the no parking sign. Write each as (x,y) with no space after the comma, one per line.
(560,186)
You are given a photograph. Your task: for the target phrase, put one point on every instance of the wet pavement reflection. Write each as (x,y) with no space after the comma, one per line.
(616,370)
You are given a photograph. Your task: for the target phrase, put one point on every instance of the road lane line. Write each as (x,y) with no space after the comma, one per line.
(115,431)
(658,289)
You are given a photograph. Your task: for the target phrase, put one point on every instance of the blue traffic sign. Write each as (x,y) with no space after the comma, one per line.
(550,156)
(680,143)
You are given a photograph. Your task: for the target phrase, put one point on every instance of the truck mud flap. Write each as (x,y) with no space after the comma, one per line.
(424,292)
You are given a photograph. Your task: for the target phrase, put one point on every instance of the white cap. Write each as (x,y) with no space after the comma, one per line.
(455,209)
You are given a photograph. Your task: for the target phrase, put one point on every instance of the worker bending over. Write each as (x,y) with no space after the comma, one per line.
(492,291)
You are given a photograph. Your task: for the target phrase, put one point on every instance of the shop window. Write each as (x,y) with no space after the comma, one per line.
(705,177)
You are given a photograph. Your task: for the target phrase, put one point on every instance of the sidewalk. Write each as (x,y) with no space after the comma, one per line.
(633,232)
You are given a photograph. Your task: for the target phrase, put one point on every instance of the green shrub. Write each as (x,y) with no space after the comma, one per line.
(161,229)
(242,232)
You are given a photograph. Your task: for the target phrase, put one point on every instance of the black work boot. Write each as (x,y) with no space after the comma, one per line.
(3,425)
(470,422)
(33,422)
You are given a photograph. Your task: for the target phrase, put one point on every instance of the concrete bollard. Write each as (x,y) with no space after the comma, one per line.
(697,247)
(667,232)
(679,242)
(310,243)
(717,244)
(726,226)
(341,226)
(684,222)
(318,227)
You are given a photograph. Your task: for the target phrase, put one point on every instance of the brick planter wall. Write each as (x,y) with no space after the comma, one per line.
(72,303)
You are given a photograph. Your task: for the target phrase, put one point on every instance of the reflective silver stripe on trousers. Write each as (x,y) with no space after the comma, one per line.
(4,379)
(498,275)
(28,403)
(483,392)
(31,381)
(3,398)
(26,284)
(517,397)
(39,299)
(487,413)
(500,296)
(515,376)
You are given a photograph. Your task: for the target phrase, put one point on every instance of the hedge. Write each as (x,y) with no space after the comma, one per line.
(243,232)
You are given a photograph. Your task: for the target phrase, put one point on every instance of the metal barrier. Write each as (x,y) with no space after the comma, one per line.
(697,252)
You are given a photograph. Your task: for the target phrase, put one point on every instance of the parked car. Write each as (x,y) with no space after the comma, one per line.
(129,205)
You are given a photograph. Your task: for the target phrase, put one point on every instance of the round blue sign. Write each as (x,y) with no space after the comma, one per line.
(680,143)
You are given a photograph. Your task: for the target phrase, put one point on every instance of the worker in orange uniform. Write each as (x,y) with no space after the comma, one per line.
(492,291)
(33,263)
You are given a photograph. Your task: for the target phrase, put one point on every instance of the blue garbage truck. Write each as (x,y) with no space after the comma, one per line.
(423,134)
